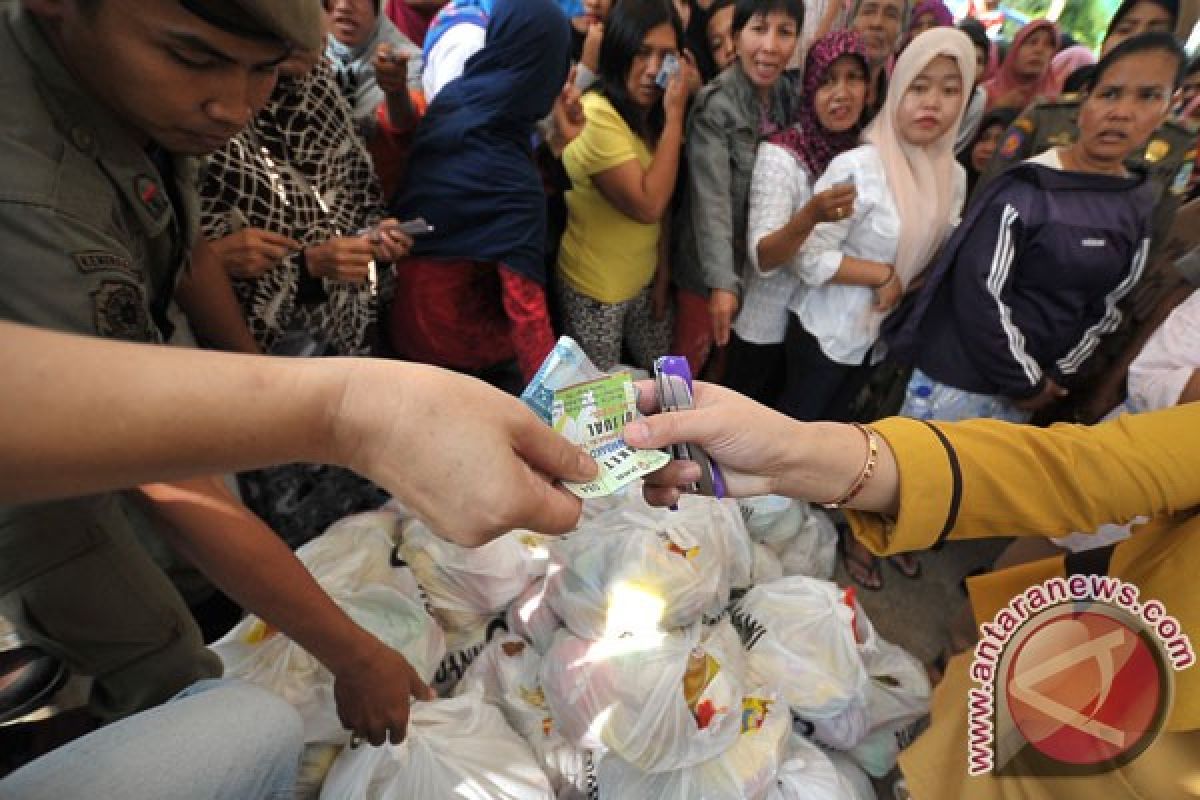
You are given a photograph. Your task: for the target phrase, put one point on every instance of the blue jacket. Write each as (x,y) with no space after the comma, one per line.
(1029,283)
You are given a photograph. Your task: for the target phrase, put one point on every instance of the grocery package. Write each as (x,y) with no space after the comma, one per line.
(532,618)
(260,654)
(799,635)
(463,645)
(466,585)
(355,552)
(508,673)
(857,783)
(455,748)
(681,563)
(808,774)
(802,535)
(766,566)
(743,772)
(897,700)
(660,700)
(315,763)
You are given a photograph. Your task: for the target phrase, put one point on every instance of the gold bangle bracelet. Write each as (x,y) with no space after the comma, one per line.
(868,469)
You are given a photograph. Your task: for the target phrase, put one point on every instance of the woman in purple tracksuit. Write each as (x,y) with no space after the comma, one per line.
(1030,282)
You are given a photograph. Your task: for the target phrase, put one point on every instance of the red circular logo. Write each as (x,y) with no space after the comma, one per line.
(1086,688)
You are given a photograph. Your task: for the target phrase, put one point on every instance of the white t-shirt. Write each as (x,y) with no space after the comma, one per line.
(1158,375)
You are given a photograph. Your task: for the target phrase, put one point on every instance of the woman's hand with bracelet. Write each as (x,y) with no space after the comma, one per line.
(761,451)
(888,293)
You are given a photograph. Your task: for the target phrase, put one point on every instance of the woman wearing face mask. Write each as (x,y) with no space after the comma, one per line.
(854,270)
(1030,283)
(1025,73)
(730,116)
(784,209)
(613,284)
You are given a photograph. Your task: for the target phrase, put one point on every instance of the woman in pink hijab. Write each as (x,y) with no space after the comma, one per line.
(1025,73)
(1065,64)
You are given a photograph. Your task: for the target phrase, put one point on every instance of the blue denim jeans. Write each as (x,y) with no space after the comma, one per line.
(216,739)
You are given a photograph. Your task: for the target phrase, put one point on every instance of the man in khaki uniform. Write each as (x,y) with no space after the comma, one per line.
(104,105)
(1167,159)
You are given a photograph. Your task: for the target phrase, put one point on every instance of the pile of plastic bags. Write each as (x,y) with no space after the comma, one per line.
(690,654)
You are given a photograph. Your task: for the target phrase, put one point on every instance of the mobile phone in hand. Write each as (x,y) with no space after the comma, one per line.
(669,69)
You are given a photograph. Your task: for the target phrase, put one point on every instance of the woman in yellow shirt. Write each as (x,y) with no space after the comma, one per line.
(984,478)
(612,285)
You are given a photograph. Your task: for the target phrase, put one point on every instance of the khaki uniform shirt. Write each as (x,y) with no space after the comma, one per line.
(89,239)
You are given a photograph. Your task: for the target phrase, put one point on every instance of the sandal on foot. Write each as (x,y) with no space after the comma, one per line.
(907,565)
(868,574)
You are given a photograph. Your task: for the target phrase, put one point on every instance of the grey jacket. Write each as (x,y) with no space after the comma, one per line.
(724,129)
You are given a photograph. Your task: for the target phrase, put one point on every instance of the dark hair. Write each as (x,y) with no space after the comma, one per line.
(624,31)
(975,31)
(1155,41)
(1192,68)
(744,10)
(1170,6)
(1066,41)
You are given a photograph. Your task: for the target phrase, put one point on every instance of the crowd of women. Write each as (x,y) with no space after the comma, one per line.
(803,198)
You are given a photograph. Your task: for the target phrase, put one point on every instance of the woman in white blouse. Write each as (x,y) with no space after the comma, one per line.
(854,270)
(783,209)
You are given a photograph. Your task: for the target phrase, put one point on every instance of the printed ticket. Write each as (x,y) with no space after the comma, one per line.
(592,415)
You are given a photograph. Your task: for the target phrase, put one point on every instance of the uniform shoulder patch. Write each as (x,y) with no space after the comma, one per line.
(101,260)
(119,311)
(1024,123)
(1012,143)
(151,195)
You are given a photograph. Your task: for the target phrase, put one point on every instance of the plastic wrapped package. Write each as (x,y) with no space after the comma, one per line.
(799,635)
(743,772)
(897,699)
(661,701)
(772,520)
(466,585)
(766,565)
(462,647)
(679,563)
(858,785)
(315,763)
(354,552)
(455,748)
(532,618)
(813,550)
(259,654)
(508,673)
(808,774)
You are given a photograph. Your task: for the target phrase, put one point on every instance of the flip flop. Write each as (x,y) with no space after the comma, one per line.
(912,571)
(869,568)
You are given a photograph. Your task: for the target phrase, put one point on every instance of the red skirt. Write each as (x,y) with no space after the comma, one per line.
(469,315)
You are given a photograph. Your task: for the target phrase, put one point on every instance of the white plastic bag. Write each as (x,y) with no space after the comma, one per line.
(662,701)
(799,635)
(813,550)
(456,748)
(897,699)
(808,774)
(467,585)
(259,654)
(315,763)
(771,520)
(462,647)
(355,552)
(532,618)
(680,562)
(743,772)
(766,565)
(858,785)
(508,673)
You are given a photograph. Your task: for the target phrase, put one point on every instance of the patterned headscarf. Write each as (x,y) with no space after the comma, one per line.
(807,139)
